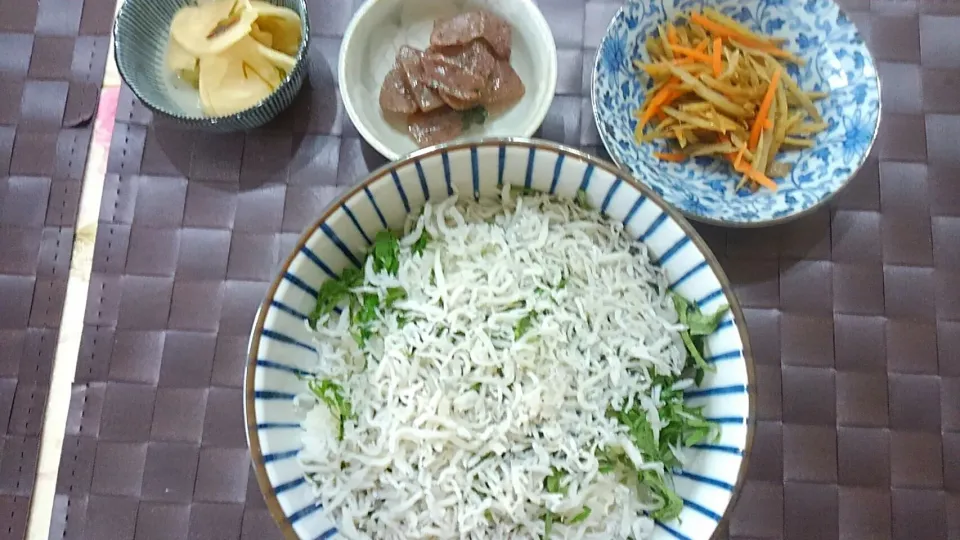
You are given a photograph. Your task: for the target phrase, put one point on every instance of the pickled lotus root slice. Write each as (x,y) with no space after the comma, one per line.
(213,27)
(237,79)
(261,35)
(283,61)
(280,22)
(185,65)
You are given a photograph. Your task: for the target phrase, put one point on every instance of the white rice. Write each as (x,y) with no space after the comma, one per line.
(427,455)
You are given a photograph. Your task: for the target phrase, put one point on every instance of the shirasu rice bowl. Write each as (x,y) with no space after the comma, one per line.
(508,368)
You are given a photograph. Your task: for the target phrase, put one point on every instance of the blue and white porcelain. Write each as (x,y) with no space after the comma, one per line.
(837,61)
(281,348)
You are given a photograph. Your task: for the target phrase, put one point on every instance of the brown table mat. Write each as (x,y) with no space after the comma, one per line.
(52,56)
(854,312)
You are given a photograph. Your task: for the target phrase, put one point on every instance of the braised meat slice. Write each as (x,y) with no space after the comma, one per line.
(504,87)
(460,72)
(395,97)
(456,103)
(466,27)
(411,61)
(435,127)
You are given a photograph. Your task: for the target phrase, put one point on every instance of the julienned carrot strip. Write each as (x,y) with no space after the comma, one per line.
(722,31)
(733,157)
(759,177)
(655,103)
(741,167)
(670,156)
(693,53)
(700,48)
(767,124)
(764,108)
(717,57)
(736,159)
(671,97)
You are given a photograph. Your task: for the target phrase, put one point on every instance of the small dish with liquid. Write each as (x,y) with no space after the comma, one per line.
(381,29)
(154,57)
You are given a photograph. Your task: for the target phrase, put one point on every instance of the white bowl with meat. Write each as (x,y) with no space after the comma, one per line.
(415,73)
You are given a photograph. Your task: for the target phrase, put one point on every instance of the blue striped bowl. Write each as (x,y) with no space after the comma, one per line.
(280,345)
(140,37)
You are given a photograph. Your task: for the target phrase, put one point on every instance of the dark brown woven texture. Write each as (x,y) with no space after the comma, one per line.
(854,312)
(52,55)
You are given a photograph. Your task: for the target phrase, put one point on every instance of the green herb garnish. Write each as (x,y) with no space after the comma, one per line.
(331,393)
(476,115)
(672,504)
(333,292)
(581,198)
(552,485)
(421,244)
(475,387)
(522,326)
(394,295)
(547,524)
(682,425)
(552,482)
(698,325)
(522,191)
(607,460)
(386,253)
(582,516)
(362,315)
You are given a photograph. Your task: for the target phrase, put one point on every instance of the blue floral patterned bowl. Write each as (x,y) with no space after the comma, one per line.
(837,62)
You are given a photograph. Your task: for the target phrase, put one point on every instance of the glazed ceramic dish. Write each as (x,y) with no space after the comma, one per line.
(837,62)
(141,34)
(281,349)
(380,27)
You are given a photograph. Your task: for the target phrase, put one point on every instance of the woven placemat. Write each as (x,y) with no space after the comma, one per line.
(854,311)
(52,56)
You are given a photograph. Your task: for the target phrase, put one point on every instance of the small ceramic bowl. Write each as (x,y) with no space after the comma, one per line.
(141,34)
(381,27)
(837,62)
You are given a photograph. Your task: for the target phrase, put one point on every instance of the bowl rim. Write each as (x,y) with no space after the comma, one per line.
(253,344)
(611,147)
(238,116)
(543,106)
